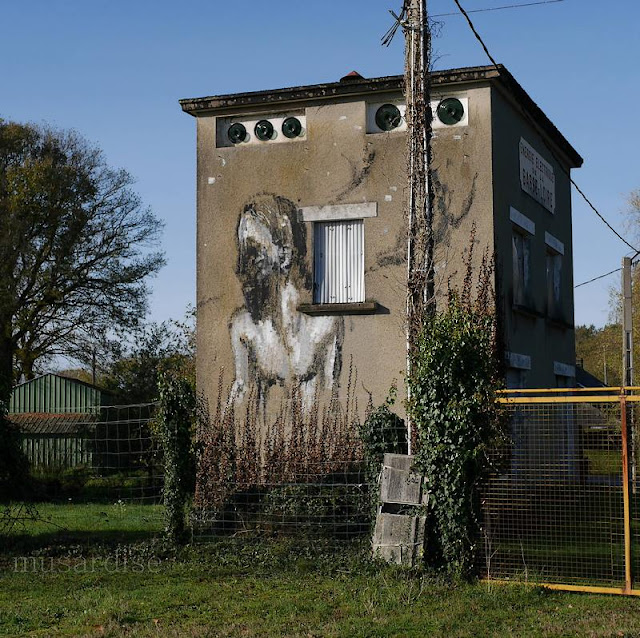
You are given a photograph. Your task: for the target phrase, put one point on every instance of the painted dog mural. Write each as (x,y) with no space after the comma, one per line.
(273,343)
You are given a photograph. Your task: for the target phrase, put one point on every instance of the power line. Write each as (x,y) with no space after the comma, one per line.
(584,283)
(531,121)
(506,6)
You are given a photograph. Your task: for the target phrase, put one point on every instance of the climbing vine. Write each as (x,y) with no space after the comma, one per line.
(382,432)
(175,425)
(455,375)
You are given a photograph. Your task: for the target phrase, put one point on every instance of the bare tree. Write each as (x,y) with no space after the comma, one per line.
(76,248)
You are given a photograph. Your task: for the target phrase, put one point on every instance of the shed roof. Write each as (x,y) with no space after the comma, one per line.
(499,75)
(48,423)
(55,393)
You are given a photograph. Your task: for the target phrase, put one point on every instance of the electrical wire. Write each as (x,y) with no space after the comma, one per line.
(584,283)
(531,120)
(506,6)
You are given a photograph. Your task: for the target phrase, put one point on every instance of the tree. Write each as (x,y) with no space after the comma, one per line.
(76,248)
(600,349)
(133,372)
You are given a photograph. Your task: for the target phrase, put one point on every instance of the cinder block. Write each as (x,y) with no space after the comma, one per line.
(400,486)
(398,538)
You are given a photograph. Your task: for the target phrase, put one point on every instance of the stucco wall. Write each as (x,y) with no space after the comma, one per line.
(337,162)
(532,331)
(255,254)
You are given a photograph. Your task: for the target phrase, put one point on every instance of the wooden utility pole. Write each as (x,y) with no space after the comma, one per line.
(631,437)
(420,271)
(627,324)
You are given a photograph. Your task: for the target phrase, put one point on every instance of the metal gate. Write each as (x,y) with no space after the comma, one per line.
(562,506)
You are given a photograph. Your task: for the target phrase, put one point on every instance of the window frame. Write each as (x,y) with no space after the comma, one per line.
(353,278)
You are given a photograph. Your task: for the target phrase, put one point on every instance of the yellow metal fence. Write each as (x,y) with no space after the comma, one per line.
(562,506)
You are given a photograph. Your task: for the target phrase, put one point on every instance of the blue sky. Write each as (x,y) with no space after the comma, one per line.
(114,70)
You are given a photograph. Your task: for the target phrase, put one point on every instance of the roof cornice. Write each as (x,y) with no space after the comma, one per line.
(353,87)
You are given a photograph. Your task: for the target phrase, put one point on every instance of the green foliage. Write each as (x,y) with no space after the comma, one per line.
(336,509)
(600,349)
(456,372)
(175,428)
(13,464)
(75,247)
(131,373)
(382,432)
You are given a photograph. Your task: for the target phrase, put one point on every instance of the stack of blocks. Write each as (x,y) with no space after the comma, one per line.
(399,533)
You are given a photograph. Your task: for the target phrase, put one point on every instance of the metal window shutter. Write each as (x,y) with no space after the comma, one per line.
(339,261)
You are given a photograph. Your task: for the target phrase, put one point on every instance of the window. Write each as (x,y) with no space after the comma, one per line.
(554,284)
(521,269)
(338,261)
(516,379)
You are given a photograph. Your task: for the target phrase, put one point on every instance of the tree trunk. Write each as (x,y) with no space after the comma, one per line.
(6,368)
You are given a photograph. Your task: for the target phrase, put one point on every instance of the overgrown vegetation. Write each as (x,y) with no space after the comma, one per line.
(383,432)
(175,424)
(456,371)
(13,464)
(283,589)
(299,466)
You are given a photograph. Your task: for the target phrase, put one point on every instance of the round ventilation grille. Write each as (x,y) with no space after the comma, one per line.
(450,111)
(291,127)
(388,117)
(237,133)
(264,130)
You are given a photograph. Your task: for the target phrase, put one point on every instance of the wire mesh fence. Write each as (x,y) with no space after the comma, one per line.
(104,453)
(92,475)
(302,472)
(561,507)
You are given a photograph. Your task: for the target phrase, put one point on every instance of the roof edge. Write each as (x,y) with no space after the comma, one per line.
(499,74)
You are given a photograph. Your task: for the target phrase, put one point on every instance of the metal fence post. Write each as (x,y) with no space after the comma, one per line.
(625,493)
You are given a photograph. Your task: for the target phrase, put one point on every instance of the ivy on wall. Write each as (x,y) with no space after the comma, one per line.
(456,372)
(175,426)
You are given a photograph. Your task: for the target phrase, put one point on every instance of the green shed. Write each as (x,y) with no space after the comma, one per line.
(53,393)
(57,417)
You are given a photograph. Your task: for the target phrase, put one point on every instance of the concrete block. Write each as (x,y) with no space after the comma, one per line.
(400,486)
(398,461)
(399,538)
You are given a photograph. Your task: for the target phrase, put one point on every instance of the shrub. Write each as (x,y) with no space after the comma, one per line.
(456,371)
(174,424)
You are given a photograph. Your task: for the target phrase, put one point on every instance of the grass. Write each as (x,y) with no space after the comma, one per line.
(82,523)
(604,462)
(284,590)
(103,570)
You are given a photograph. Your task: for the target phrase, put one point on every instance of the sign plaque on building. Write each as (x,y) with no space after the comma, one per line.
(537,177)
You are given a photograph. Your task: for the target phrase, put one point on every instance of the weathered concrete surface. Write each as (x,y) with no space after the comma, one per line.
(398,484)
(398,538)
(248,317)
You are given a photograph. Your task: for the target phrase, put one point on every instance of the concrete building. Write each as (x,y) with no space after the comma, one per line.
(301,245)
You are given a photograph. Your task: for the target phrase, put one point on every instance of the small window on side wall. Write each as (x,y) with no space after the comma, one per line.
(521,244)
(554,285)
(338,262)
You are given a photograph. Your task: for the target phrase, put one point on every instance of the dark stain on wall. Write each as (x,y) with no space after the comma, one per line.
(445,219)
(359,172)
(394,256)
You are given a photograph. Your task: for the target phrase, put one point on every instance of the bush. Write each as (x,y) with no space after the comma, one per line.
(175,424)
(456,371)
(383,432)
